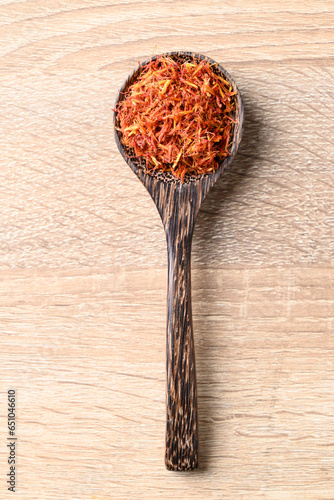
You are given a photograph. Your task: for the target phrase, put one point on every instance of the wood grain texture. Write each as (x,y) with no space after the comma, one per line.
(84,267)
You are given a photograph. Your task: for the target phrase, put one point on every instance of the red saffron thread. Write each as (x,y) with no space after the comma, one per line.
(177,117)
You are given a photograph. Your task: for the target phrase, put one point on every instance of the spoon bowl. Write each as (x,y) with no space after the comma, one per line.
(178,204)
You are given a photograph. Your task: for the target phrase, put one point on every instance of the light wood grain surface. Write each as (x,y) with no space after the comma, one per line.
(83,271)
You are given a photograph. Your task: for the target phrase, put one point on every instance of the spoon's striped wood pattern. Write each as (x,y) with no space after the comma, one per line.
(178,205)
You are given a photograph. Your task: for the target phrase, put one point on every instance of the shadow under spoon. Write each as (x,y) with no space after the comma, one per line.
(178,205)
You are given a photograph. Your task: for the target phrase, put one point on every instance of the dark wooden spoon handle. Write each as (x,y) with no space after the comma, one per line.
(178,205)
(181,431)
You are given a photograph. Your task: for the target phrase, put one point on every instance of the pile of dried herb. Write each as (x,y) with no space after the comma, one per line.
(177,117)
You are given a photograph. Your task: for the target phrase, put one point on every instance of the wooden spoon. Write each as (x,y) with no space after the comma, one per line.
(178,205)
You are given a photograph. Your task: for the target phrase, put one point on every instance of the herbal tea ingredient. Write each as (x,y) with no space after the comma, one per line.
(177,117)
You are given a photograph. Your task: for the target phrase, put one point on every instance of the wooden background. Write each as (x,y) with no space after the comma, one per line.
(83,257)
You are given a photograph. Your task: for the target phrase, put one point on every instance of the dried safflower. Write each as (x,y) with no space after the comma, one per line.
(178,117)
